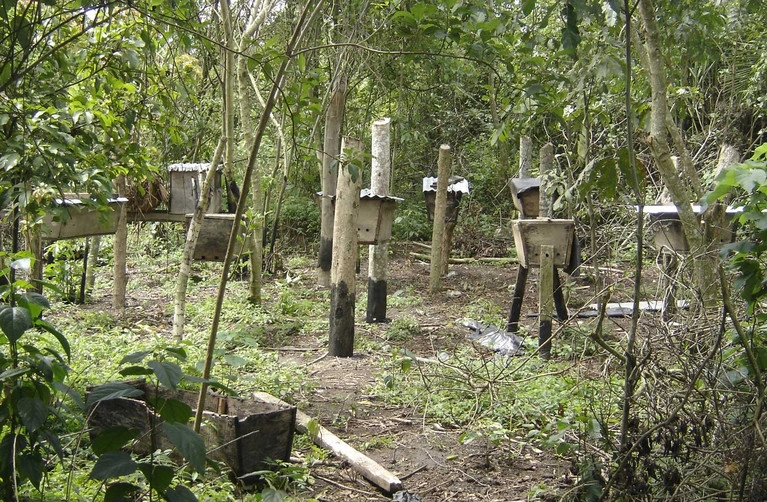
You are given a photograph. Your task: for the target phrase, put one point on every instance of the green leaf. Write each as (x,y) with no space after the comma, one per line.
(272,495)
(159,476)
(31,466)
(188,442)
(135,357)
(178,352)
(13,373)
(112,390)
(180,494)
(112,439)
(33,412)
(121,492)
(234,360)
(527,7)
(136,371)
(56,334)
(34,302)
(169,374)
(173,410)
(14,321)
(113,464)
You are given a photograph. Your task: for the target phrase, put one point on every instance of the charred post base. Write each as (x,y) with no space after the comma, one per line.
(342,303)
(376,309)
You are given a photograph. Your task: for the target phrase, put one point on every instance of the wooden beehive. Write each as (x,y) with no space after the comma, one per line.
(457,186)
(214,237)
(73,218)
(375,218)
(667,228)
(244,434)
(530,235)
(185,181)
(525,193)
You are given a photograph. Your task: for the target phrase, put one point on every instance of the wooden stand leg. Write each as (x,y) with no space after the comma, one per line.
(669,286)
(545,300)
(512,325)
(559,298)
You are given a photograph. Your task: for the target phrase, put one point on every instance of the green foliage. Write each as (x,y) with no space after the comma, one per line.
(116,467)
(32,372)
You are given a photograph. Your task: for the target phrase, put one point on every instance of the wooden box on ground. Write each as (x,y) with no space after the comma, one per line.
(525,192)
(214,237)
(530,235)
(73,218)
(185,182)
(243,434)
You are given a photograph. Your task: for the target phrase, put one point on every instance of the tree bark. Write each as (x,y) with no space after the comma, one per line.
(252,155)
(440,206)
(334,118)
(546,166)
(525,156)
(185,269)
(378,254)
(93,256)
(120,251)
(343,287)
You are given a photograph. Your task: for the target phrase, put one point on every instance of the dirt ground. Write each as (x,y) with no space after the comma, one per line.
(428,458)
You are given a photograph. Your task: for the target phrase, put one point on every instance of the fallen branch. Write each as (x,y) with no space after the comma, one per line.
(366,466)
(488,259)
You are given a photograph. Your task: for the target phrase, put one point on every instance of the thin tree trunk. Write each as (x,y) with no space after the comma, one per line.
(120,251)
(525,156)
(252,156)
(228,110)
(378,254)
(440,206)
(343,288)
(93,256)
(331,150)
(179,300)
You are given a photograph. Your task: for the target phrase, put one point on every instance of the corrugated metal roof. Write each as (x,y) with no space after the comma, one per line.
(191,167)
(455,184)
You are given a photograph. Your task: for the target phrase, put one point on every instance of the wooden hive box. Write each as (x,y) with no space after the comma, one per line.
(530,235)
(668,232)
(185,181)
(243,434)
(214,237)
(457,186)
(525,193)
(375,217)
(73,218)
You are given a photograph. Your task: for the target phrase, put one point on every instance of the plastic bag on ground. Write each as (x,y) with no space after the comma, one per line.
(508,344)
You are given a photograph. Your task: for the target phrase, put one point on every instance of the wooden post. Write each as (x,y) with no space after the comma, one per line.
(333,121)
(545,300)
(525,156)
(120,251)
(547,164)
(345,249)
(512,325)
(378,254)
(440,206)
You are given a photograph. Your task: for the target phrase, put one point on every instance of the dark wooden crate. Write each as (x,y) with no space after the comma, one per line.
(243,434)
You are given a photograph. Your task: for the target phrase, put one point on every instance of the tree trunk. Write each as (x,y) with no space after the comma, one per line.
(525,156)
(545,167)
(440,206)
(120,251)
(343,288)
(334,118)
(252,155)
(179,300)
(683,195)
(93,256)
(378,254)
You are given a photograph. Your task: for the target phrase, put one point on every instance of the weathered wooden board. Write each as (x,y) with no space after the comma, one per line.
(214,237)
(73,218)
(185,182)
(530,235)
(374,219)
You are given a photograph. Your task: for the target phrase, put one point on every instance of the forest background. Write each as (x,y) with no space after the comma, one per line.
(644,102)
